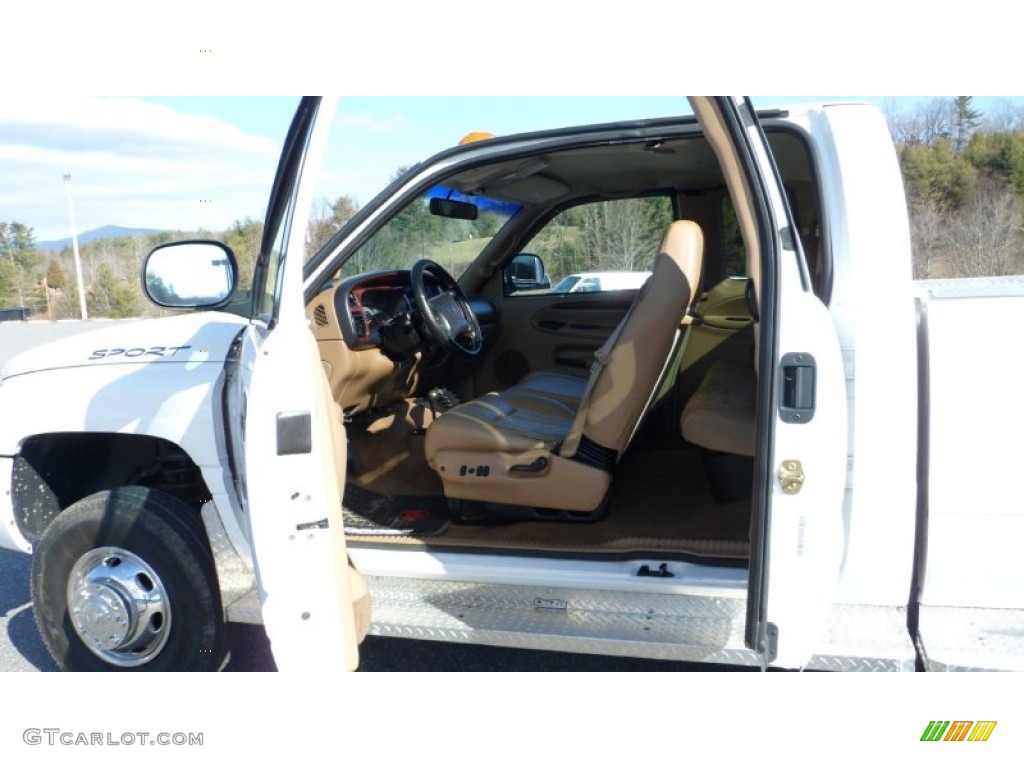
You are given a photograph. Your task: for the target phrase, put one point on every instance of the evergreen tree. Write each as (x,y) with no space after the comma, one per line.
(243,238)
(55,277)
(1000,156)
(935,173)
(17,248)
(965,120)
(110,297)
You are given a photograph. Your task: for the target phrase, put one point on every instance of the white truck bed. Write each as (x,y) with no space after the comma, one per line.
(973,572)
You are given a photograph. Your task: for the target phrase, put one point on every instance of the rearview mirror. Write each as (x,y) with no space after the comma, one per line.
(453,209)
(190,274)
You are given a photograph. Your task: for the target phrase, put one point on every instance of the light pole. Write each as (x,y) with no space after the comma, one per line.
(74,247)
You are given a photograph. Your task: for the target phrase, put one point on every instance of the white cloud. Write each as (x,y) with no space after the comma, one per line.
(131,124)
(373,123)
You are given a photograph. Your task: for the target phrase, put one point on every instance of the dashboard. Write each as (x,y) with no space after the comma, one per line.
(368,334)
(368,304)
(377,309)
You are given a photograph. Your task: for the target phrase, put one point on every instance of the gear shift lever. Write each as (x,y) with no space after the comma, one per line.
(441,400)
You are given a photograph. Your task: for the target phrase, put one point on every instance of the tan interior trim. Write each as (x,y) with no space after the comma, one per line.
(562,484)
(713,124)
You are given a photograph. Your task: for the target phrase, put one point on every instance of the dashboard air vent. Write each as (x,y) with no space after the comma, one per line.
(320,315)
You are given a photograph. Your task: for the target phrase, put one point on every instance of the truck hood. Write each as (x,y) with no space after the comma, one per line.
(194,338)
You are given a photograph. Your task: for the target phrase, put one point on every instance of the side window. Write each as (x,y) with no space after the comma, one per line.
(725,280)
(601,246)
(732,242)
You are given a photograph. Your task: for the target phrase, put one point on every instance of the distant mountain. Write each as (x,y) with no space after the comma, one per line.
(110,230)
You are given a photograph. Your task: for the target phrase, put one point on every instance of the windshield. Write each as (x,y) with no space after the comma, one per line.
(443,225)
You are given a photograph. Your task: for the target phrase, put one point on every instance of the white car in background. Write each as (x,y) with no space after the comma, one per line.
(588,282)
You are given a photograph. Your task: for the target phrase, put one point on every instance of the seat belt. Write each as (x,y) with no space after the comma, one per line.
(571,443)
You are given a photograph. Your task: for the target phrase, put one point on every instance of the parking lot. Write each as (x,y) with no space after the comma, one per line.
(22,649)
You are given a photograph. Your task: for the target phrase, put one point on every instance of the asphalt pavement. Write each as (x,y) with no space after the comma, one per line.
(22,649)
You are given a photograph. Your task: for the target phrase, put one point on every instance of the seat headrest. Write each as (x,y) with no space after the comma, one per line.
(683,245)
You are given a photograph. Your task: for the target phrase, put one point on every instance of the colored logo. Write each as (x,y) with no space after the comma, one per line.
(958,730)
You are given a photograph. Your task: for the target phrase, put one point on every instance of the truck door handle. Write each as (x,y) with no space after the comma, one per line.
(797,373)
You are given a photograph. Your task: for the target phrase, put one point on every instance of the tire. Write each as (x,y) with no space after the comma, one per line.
(135,566)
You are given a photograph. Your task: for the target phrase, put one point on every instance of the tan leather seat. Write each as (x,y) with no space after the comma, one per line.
(721,414)
(562,383)
(553,439)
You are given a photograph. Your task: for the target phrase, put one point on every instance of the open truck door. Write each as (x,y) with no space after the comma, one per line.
(800,464)
(292,435)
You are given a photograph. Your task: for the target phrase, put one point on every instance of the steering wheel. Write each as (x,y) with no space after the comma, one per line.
(448,320)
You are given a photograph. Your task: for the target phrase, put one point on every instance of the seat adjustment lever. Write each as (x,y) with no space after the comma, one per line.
(537,465)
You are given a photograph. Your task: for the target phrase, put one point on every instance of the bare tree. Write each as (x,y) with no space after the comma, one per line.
(892,112)
(986,237)
(937,120)
(1003,117)
(926,124)
(326,219)
(620,235)
(928,236)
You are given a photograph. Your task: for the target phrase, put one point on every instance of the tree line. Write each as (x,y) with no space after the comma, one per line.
(963,170)
(45,282)
(964,175)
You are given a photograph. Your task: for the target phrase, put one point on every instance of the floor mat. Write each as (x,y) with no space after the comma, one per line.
(660,502)
(375,514)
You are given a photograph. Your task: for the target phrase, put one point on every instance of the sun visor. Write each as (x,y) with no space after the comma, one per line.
(535,189)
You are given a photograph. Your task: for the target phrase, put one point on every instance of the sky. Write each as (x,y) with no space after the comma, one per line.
(203,162)
(195,157)
(78,99)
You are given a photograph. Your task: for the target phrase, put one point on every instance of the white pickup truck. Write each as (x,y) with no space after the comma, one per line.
(766,456)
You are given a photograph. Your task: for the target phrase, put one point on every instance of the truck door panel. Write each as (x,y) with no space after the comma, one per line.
(541,331)
(294,440)
(796,542)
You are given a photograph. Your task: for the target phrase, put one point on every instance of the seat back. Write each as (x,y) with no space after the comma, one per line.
(632,361)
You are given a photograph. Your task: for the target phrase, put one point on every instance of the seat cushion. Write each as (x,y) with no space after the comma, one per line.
(501,448)
(562,383)
(510,422)
(721,414)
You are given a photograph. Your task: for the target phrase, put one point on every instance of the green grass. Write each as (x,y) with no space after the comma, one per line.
(455,257)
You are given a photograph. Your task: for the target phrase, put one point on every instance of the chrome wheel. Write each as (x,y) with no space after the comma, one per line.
(118,606)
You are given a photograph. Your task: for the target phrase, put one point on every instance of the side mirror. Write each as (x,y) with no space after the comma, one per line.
(526,273)
(190,275)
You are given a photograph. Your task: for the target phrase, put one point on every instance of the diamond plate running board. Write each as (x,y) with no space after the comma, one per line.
(972,639)
(653,626)
(865,638)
